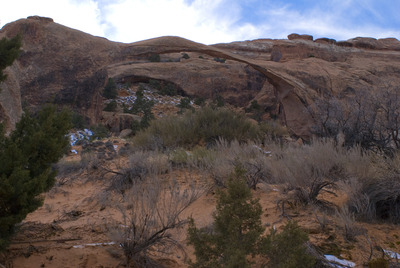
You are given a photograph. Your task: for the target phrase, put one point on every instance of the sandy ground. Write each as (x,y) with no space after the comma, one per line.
(72,228)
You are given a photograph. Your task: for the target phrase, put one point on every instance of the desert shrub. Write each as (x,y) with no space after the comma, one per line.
(218,101)
(90,161)
(255,109)
(180,157)
(99,132)
(378,263)
(198,158)
(66,167)
(375,195)
(201,157)
(155,84)
(382,199)
(142,164)
(202,126)
(110,90)
(79,121)
(185,56)
(273,130)
(346,219)
(308,170)
(111,106)
(220,60)
(184,104)
(213,124)
(199,101)
(150,210)
(236,231)
(168,89)
(288,249)
(248,156)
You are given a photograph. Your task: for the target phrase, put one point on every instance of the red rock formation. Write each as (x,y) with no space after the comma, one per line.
(70,68)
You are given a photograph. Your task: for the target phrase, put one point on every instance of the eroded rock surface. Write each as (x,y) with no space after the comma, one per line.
(70,68)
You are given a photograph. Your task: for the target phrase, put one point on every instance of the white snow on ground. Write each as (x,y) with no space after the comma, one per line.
(262,150)
(151,96)
(336,262)
(79,135)
(391,254)
(94,245)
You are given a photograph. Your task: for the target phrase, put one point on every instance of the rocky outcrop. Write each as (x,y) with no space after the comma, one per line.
(295,36)
(70,68)
(57,64)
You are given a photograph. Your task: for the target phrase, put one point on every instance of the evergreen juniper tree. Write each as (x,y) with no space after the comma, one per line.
(237,234)
(26,158)
(110,90)
(9,51)
(237,228)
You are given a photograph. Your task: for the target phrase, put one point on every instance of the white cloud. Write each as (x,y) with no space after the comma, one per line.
(82,15)
(203,21)
(338,19)
(207,21)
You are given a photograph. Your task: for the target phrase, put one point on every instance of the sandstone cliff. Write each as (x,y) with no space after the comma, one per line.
(69,67)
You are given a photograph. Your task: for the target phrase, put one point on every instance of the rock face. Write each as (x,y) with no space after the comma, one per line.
(70,68)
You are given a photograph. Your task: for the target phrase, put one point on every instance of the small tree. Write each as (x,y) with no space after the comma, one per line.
(9,51)
(26,158)
(288,249)
(184,104)
(237,234)
(142,106)
(237,228)
(111,106)
(110,91)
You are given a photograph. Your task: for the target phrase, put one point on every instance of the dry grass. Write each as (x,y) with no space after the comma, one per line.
(142,164)
(308,170)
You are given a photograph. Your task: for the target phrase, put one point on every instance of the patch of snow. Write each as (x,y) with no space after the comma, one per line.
(94,245)
(262,150)
(115,147)
(336,262)
(74,151)
(391,254)
(79,135)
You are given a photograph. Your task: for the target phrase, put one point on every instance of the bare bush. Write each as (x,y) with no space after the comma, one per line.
(91,161)
(322,219)
(150,211)
(346,219)
(67,167)
(248,156)
(308,170)
(378,195)
(358,202)
(384,199)
(366,118)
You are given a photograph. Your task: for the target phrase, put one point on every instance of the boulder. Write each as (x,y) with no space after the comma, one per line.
(295,36)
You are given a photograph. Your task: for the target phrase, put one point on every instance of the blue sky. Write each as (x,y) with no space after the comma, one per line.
(216,21)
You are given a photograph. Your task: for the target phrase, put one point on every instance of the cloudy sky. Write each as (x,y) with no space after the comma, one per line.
(215,21)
